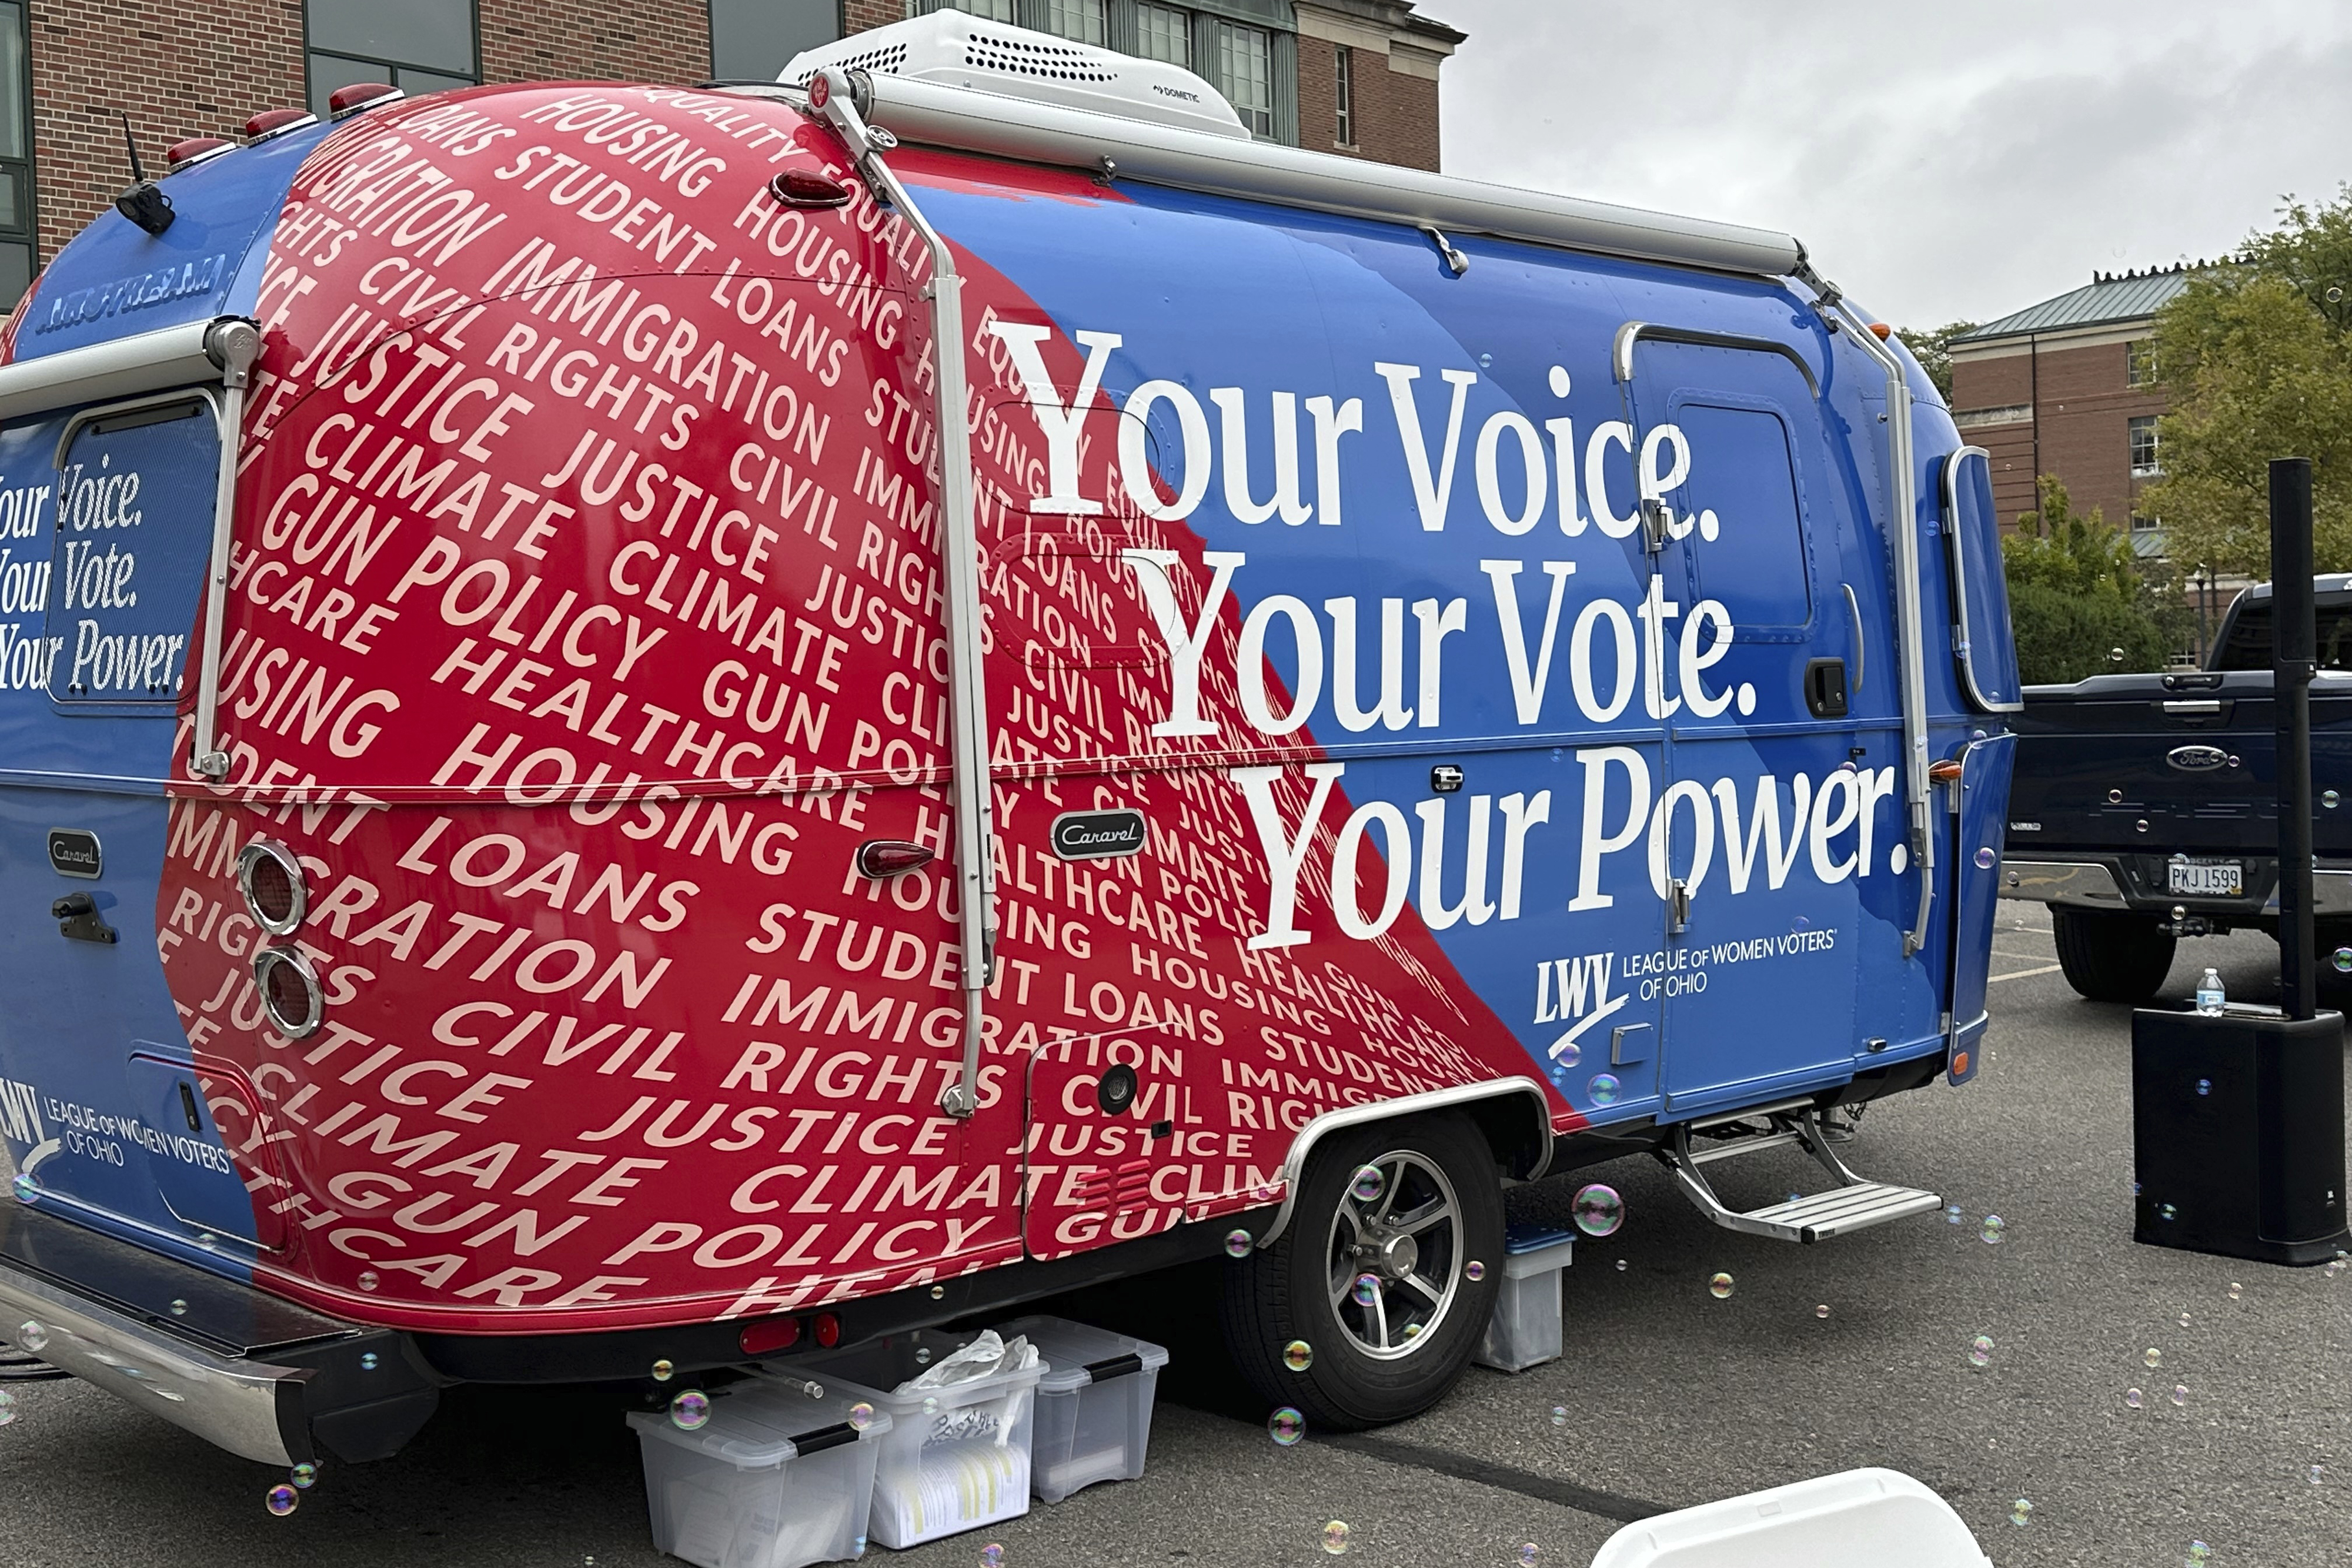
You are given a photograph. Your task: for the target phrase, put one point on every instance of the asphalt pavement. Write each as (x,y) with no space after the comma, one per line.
(1670,1396)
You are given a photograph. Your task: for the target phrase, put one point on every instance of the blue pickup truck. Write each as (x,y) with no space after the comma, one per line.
(2143,808)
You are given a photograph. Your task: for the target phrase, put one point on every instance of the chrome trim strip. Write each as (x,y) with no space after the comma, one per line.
(1861,646)
(1633,333)
(1294,1165)
(959,546)
(2086,883)
(249,1408)
(1005,127)
(1953,543)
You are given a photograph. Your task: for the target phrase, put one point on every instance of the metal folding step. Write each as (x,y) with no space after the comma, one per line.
(1851,1204)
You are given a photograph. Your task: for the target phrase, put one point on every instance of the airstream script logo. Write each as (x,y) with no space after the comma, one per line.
(1097,835)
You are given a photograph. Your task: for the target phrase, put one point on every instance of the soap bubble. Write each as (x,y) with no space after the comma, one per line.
(922,1358)
(1995,1228)
(7,1407)
(2184,1320)
(1605,1088)
(2204,1086)
(663,1371)
(368,1280)
(2131,1397)
(2199,1555)
(1286,1426)
(1474,1270)
(1620,1265)
(2343,967)
(1599,1211)
(991,1556)
(1985,858)
(282,1501)
(2236,1289)
(1719,1287)
(1568,1055)
(2331,800)
(1368,1184)
(30,1336)
(2152,1355)
(690,1410)
(930,1407)
(304,1477)
(1952,1215)
(179,1308)
(2315,1475)
(1366,1290)
(1298,1355)
(2335,295)
(1335,1537)
(2180,1393)
(2020,1513)
(1528,1552)
(1237,1243)
(23,1187)
(367,1361)
(2167,1213)
(861,1415)
(1822,1310)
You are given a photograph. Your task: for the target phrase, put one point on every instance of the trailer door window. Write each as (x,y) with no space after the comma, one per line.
(1756,564)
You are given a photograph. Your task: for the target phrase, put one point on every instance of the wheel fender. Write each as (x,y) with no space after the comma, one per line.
(1475,1096)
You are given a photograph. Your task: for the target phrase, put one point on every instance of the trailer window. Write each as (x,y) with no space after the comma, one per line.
(1756,566)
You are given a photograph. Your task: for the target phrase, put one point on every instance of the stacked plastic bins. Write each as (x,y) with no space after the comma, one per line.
(1524,1330)
(955,1457)
(1094,1404)
(772,1479)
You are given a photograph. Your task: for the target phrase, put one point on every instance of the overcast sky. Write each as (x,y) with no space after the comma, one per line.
(1940,162)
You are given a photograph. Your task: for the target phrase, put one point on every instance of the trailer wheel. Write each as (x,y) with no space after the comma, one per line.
(1378,1288)
(2112,957)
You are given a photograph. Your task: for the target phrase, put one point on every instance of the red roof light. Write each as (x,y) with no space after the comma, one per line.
(196,150)
(360,95)
(274,121)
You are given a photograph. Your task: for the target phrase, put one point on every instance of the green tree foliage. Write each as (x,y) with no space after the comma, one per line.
(1934,352)
(2257,355)
(2077,596)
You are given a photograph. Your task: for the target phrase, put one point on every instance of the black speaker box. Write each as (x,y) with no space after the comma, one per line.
(2237,1133)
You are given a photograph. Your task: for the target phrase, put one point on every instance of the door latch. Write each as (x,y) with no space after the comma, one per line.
(1655,517)
(1677,907)
(77,919)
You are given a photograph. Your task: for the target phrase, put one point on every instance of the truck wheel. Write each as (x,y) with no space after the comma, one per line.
(1377,1286)
(2112,957)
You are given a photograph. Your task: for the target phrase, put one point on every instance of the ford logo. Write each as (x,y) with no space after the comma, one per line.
(2197,759)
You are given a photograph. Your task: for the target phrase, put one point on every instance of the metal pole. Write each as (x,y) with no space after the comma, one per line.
(2293,645)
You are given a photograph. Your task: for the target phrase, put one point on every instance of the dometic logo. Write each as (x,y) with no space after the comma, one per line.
(1098,835)
(2197,759)
(1176,92)
(74,851)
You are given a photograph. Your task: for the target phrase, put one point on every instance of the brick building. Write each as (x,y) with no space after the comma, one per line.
(1358,77)
(2069,387)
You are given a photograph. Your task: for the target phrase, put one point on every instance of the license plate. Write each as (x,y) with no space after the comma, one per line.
(2211,879)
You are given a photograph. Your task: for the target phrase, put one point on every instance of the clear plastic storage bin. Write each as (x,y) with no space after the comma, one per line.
(956,1457)
(1094,1404)
(1524,1330)
(773,1480)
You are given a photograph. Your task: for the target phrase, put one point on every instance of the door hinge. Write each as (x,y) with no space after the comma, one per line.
(1677,907)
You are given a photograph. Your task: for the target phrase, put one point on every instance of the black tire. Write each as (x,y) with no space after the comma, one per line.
(1285,1291)
(2112,957)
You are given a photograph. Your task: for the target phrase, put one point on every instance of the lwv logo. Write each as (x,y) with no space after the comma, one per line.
(1575,990)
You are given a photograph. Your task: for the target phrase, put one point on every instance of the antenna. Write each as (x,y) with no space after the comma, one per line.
(130,145)
(142,201)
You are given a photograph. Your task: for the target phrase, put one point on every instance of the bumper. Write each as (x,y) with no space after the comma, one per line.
(243,1370)
(2130,882)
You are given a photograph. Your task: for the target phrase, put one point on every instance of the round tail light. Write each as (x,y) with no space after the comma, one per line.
(828,1327)
(289,991)
(271,878)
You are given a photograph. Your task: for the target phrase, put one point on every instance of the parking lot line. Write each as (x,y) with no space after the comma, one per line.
(2022,974)
(1461,1466)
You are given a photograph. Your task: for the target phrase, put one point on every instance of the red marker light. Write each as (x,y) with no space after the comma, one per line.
(770,1334)
(807,188)
(878,858)
(820,91)
(828,1330)
(276,121)
(360,95)
(196,150)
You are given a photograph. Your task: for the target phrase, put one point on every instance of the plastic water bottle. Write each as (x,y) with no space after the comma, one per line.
(2208,992)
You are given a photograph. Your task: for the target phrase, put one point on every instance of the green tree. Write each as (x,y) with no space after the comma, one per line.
(1934,352)
(2078,597)
(2257,354)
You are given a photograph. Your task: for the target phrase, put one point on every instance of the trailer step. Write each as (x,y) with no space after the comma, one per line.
(1854,1204)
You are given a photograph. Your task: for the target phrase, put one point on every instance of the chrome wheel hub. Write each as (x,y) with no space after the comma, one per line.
(1395,1256)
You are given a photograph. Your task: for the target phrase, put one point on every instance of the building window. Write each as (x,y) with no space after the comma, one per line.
(751,40)
(16,233)
(1244,68)
(986,10)
(1163,33)
(2140,525)
(2139,364)
(2143,448)
(418,46)
(1080,21)
(1345,94)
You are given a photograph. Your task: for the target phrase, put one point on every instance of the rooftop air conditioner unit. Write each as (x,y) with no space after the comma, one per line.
(957,50)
